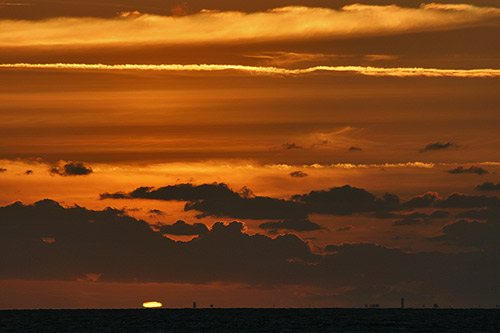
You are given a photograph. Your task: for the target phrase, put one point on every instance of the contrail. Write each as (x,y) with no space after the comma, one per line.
(265,70)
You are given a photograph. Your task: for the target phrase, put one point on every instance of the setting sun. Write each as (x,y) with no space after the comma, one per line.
(152,304)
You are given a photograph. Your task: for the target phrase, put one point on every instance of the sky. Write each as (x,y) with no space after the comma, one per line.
(282,153)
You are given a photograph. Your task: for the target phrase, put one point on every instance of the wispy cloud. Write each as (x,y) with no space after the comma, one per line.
(437,146)
(363,70)
(293,22)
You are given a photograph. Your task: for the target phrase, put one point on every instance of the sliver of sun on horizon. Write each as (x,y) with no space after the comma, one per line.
(152,305)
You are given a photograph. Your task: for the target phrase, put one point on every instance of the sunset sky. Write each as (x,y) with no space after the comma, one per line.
(294,153)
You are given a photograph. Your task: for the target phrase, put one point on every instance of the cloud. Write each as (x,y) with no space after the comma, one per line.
(439,214)
(488,186)
(288,146)
(362,70)
(455,200)
(3,170)
(183,228)
(2,4)
(28,172)
(293,22)
(465,201)
(406,218)
(155,212)
(46,241)
(290,58)
(123,249)
(132,14)
(346,200)
(298,174)
(218,200)
(490,213)
(437,146)
(407,221)
(179,192)
(71,169)
(355,149)
(295,225)
(473,169)
(346,228)
(180,10)
(485,235)
(422,201)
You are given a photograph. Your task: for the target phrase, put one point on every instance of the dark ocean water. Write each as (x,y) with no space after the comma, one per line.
(252,320)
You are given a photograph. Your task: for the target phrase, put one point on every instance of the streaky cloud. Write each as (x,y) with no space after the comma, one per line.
(286,23)
(472,170)
(266,70)
(437,146)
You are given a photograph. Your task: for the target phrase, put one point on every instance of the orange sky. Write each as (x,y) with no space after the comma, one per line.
(283,98)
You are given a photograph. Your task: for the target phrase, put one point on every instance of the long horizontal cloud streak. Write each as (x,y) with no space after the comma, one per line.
(215,27)
(264,70)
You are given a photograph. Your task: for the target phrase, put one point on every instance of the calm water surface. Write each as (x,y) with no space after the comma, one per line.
(252,320)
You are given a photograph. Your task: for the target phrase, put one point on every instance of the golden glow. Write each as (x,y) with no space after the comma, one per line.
(293,22)
(368,70)
(152,304)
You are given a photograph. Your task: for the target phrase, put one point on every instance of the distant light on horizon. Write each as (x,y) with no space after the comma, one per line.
(152,304)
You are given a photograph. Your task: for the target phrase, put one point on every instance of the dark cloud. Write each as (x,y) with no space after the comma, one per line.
(422,201)
(488,186)
(485,235)
(183,228)
(465,201)
(346,200)
(295,225)
(439,214)
(385,215)
(474,214)
(46,241)
(257,208)
(472,169)
(155,212)
(355,149)
(2,170)
(455,200)
(124,249)
(407,221)
(346,228)
(288,146)
(28,172)
(487,214)
(180,192)
(478,228)
(415,215)
(438,146)
(298,174)
(72,169)
(320,143)
(219,200)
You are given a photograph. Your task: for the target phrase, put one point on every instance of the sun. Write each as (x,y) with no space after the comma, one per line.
(152,304)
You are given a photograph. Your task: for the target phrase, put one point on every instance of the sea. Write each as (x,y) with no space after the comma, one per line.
(252,320)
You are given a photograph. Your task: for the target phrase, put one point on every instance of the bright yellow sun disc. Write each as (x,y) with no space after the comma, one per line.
(152,304)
